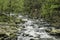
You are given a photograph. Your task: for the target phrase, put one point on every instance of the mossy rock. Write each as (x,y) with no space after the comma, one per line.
(10,31)
(53,31)
(56,31)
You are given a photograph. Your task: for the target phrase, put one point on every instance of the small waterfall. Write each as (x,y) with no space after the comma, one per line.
(34,30)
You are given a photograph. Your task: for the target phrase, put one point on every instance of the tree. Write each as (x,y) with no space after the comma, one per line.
(51,11)
(32,7)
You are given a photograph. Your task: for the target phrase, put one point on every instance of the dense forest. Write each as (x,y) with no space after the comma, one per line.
(49,10)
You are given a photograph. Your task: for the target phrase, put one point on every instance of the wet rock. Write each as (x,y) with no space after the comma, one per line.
(7,31)
(53,31)
(31,39)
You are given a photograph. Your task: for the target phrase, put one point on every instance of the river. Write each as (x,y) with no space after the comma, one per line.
(34,29)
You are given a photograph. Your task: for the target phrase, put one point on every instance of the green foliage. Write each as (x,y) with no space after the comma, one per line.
(47,9)
(51,11)
(10,6)
(32,7)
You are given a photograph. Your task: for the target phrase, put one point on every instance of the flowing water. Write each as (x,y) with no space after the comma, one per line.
(34,29)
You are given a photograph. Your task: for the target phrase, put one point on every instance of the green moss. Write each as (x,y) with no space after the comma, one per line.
(10,31)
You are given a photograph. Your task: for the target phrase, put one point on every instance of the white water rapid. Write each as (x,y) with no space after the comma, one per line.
(33,30)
